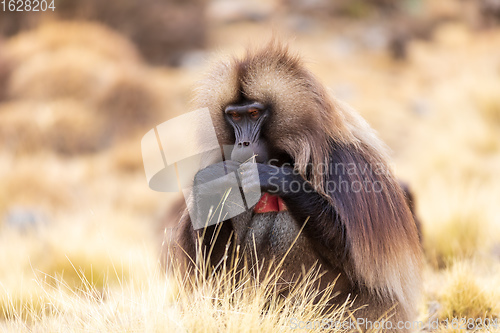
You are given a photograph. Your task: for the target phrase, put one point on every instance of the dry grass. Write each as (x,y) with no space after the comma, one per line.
(488,101)
(78,100)
(62,125)
(32,188)
(131,102)
(65,73)
(143,299)
(56,36)
(465,296)
(453,232)
(80,86)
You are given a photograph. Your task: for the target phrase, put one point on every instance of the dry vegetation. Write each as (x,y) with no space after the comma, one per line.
(79,237)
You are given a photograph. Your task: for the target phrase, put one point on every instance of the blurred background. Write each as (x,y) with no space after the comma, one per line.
(81,85)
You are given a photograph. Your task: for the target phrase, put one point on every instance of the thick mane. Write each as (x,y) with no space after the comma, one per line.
(301,103)
(305,105)
(381,234)
(315,129)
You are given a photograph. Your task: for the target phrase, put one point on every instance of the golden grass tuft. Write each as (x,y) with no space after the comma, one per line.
(464,296)
(456,238)
(130,102)
(25,305)
(487,100)
(127,157)
(54,36)
(82,268)
(19,131)
(71,72)
(74,128)
(32,188)
(246,305)
(461,225)
(65,126)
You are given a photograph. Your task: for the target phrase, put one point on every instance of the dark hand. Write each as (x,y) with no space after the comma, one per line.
(215,171)
(272,179)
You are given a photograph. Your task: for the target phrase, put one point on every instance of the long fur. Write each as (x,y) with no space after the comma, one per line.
(314,129)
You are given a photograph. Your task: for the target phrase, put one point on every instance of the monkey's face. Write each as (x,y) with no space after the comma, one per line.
(247,120)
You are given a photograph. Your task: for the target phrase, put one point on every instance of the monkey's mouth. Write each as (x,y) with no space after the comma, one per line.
(249,152)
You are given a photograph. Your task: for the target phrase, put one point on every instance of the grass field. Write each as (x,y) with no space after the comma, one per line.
(81,232)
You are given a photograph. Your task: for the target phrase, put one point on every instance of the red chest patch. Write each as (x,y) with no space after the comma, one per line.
(269,203)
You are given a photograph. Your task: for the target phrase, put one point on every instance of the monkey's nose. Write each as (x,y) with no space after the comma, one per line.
(244,144)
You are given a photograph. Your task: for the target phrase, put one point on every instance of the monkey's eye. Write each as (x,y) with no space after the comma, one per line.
(235,116)
(254,113)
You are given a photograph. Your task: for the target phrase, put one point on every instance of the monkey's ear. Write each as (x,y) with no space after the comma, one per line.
(382,239)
